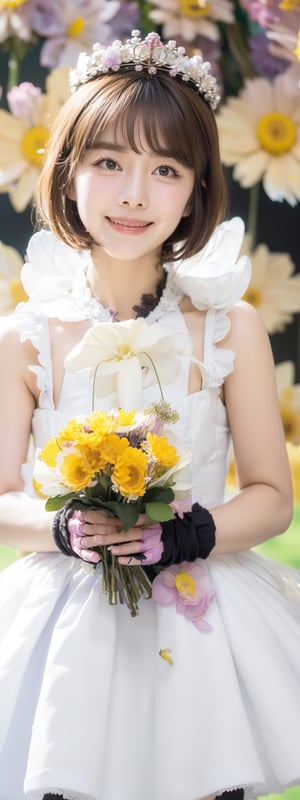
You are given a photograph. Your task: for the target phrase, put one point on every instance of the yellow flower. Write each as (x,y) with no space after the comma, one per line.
(50,452)
(76,472)
(294,459)
(165,454)
(11,288)
(231,477)
(129,472)
(24,134)
(125,418)
(101,424)
(289,400)
(113,447)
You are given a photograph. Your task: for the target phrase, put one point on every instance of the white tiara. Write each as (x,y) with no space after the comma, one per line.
(148,54)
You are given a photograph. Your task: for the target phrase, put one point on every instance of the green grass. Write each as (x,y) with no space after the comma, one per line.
(285,549)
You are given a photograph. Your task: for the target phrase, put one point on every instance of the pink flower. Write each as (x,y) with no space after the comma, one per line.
(153,40)
(25,100)
(189,588)
(180,506)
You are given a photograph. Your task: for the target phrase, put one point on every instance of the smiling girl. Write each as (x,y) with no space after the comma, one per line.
(200,693)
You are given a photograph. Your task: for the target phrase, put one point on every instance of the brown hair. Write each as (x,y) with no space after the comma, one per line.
(171,112)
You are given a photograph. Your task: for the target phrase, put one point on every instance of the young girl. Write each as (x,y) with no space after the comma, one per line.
(95,704)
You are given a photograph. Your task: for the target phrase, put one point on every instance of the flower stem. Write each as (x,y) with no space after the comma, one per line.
(252,214)
(156,374)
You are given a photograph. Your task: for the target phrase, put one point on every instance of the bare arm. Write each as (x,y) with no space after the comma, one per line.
(263,506)
(24,523)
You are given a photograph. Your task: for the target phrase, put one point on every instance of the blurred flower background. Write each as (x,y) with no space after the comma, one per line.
(253,47)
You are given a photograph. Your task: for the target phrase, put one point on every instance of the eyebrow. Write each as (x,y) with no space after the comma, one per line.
(119,148)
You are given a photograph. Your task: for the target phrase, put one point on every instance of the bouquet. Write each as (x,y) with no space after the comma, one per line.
(123,464)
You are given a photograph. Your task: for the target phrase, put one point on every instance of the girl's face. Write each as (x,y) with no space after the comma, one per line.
(129,202)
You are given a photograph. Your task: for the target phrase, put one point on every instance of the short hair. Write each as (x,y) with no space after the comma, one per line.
(170,111)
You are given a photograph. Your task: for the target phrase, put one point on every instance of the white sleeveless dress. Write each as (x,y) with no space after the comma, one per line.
(88,708)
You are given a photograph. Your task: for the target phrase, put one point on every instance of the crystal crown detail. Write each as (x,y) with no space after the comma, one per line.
(150,54)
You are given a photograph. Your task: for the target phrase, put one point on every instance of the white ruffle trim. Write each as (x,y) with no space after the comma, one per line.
(213,279)
(33,326)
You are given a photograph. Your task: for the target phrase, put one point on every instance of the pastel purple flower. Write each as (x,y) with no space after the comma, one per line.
(112,59)
(188,587)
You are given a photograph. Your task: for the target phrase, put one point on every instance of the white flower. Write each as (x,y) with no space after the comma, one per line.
(289,400)
(11,289)
(260,136)
(15,20)
(47,480)
(70,27)
(24,133)
(188,19)
(273,290)
(127,356)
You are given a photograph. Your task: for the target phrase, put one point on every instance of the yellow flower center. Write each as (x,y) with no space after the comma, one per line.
(276,133)
(34,145)
(194,8)
(10,4)
(289,5)
(253,296)
(76,27)
(297,50)
(185,584)
(124,351)
(290,417)
(17,291)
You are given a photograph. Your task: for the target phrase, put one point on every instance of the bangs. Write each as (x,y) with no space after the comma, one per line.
(141,111)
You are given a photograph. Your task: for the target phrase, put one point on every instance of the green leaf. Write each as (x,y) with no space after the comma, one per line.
(56,503)
(160,512)
(127,513)
(159,494)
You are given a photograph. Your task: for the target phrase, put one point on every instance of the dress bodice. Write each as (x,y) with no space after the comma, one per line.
(212,284)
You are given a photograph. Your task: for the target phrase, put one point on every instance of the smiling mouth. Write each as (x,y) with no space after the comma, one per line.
(129,224)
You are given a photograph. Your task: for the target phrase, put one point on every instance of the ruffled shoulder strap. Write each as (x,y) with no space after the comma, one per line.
(215,279)
(33,325)
(53,277)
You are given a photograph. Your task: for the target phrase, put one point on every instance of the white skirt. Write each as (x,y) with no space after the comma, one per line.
(90,710)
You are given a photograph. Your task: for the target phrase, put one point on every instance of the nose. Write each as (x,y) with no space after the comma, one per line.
(133,193)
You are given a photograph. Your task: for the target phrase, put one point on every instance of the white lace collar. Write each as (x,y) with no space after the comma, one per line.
(54,277)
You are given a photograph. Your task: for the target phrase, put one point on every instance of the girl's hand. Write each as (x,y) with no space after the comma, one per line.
(89,529)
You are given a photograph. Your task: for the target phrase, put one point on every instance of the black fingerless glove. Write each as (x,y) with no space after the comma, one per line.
(60,531)
(188,538)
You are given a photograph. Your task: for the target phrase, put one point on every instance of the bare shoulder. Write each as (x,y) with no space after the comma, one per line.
(15,355)
(247,331)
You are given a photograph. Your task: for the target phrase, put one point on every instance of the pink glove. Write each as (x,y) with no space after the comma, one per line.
(75,529)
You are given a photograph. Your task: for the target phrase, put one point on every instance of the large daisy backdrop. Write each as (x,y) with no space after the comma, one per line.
(254,50)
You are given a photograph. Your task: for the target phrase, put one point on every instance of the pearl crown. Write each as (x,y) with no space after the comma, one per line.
(149,54)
